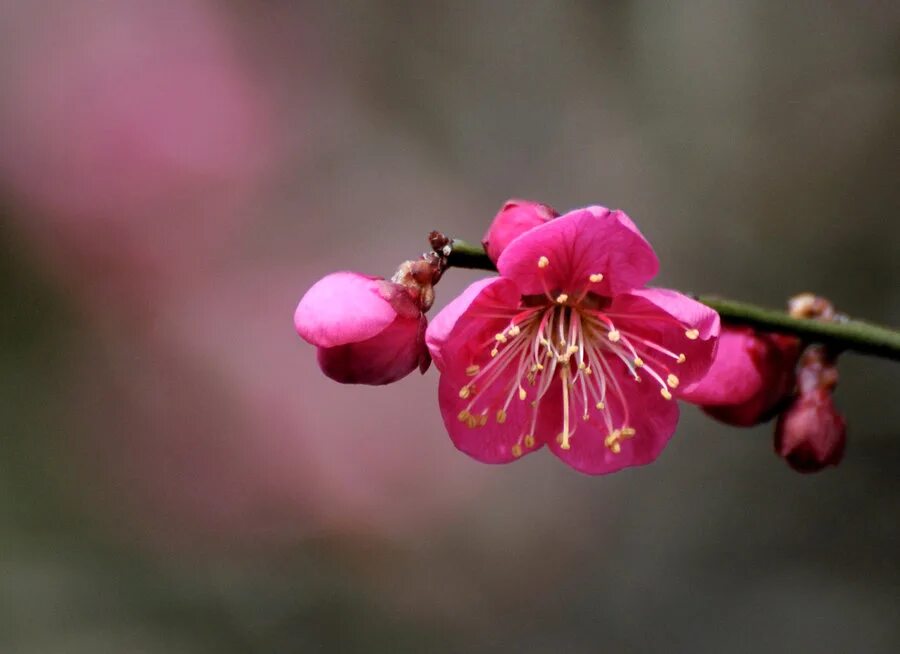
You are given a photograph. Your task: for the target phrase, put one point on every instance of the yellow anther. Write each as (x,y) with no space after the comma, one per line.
(672,381)
(692,334)
(588,371)
(501,416)
(473,370)
(637,378)
(534,404)
(613,438)
(682,358)
(482,420)
(665,393)
(582,366)
(596,277)
(500,337)
(600,406)
(522,393)
(562,298)
(529,440)
(517,450)
(585,417)
(514,330)
(616,447)
(539,366)
(638,362)
(495,352)
(463,415)
(471,422)
(464,392)
(543,262)
(628,432)
(559,439)
(614,335)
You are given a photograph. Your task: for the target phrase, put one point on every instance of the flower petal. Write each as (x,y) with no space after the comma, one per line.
(566,254)
(652,418)
(673,321)
(386,357)
(343,307)
(443,323)
(463,353)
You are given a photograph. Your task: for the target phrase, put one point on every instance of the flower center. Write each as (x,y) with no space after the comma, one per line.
(567,346)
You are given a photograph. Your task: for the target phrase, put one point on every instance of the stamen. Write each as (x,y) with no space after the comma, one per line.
(465,391)
(682,358)
(614,335)
(501,416)
(638,362)
(562,298)
(500,337)
(473,370)
(522,394)
(596,277)
(692,334)
(514,331)
(543,262)
(529,441)
(672,381)
(665,393)
(517,450)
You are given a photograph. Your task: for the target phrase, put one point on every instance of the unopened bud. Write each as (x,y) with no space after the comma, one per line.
(811,434)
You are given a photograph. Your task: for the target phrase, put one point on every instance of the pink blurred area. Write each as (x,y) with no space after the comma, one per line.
(140,143)
(134,134)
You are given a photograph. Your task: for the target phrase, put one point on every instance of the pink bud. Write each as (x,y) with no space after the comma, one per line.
(751,377)
(368,330)
(811,434)
(514,219)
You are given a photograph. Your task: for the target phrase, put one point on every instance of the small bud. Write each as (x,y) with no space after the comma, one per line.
(751,378)
(367,330)
(514,219)
(811,434)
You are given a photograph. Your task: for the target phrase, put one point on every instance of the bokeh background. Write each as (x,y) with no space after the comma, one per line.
(175,475)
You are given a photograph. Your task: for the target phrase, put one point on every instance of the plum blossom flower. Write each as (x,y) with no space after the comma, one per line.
(513,219)
(566,349)
(368,330)
(750,379)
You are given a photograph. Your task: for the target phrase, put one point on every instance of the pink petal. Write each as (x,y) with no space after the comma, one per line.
(484,309)
(664,317)
(443,323)
(386,357)
(514,219)
(341,308)
(653,418)
(582,243)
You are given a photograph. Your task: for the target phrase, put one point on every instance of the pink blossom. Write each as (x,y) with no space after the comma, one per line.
(514,218)
(811,434)
(566,349)
(368,330)
(750,379)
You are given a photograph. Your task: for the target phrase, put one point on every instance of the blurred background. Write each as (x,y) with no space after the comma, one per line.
(175,474)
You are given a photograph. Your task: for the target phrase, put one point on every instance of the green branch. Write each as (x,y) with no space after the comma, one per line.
(842,334)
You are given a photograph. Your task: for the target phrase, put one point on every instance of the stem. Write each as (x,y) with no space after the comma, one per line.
(841,334)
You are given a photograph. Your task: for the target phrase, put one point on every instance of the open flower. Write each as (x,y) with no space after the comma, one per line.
(368,330)
(750,379)
(566,349)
